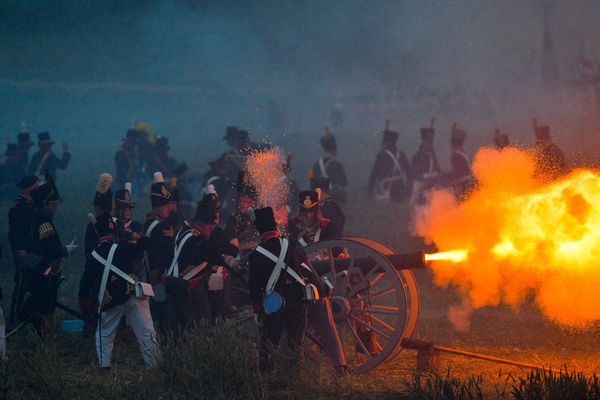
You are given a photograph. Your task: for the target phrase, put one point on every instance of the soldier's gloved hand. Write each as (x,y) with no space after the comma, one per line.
(71,247)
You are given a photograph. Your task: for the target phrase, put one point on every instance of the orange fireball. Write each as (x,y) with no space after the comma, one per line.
(522,237)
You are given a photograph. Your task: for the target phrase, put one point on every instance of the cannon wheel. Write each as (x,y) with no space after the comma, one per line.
(374,308)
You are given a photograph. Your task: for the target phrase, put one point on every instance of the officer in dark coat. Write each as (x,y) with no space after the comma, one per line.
(160,226)
(10,172)
(390,173)
(550,160)
(45,159)
(124,211)
(459,178)
(425,169)
(42,268)
(328,206)
(118,298)
(20,218)
(292,317)
(127,163)
(329,167)
(103,204)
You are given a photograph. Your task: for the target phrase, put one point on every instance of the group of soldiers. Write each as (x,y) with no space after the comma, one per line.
(394,178)
(174,269)
(17,162)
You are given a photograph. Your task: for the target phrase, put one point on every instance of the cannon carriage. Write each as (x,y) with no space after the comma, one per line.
(375,301)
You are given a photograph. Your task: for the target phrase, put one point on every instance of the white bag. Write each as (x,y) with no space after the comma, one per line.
(215,281)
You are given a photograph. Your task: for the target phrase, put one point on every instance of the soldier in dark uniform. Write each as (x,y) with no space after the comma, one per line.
(103,203)
(459,178)
(127,163)
(10,172)
(425,169)
(160,226)
(24,144)
(501,140)
(221,251)
(389,176)
(309,226)
(329,167)
(42,269)
(292,317)
(550,160)
(116,294)
(20,218)
(240,147)
(45,159)
(124,211)
(328,206)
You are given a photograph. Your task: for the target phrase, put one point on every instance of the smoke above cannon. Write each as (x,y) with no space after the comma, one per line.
(522,236)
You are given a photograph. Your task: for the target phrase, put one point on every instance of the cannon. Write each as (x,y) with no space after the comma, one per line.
(375,300)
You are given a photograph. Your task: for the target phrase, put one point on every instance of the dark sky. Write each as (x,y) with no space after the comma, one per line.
(199,65)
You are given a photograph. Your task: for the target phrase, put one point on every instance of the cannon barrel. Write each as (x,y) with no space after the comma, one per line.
(414,260)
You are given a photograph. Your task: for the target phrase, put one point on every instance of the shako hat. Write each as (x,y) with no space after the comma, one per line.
(207,208)
(160,194)
(24,139)
(308,199)
(123,199)
(264,220)
(44,138)
(328,141)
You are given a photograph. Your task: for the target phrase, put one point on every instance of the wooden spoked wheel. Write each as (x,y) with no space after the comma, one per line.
(374,305)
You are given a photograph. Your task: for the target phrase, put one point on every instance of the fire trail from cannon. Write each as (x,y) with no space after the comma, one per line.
(522,237)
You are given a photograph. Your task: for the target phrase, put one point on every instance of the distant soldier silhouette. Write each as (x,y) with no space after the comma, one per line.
(329,167)
(550,160)
(425,168)
(45,159)
(391,170)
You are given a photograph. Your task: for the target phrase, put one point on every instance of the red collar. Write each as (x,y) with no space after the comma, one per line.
(269,235)
(108,239)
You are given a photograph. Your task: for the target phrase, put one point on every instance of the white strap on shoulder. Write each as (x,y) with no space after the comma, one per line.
(394,157)
(151,227)
(279,266)
(323,168)
(174,268)
(107,264)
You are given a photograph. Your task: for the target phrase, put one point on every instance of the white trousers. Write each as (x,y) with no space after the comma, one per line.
(137,313)
(2,336)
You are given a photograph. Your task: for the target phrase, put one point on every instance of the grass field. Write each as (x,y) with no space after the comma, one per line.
(221,362)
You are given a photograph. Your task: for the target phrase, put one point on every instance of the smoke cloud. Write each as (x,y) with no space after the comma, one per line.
(523,238)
